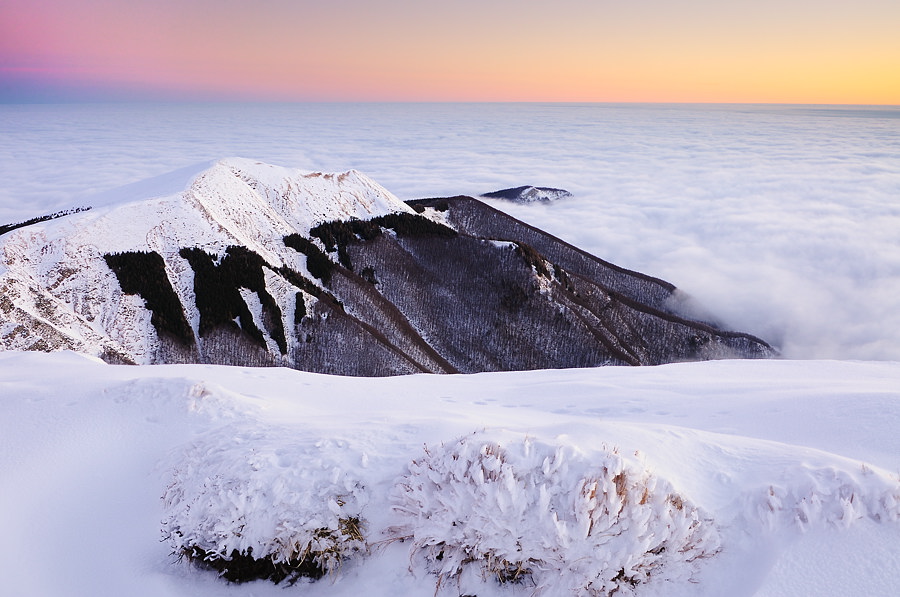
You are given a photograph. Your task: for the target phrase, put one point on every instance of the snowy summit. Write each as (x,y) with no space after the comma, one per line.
(254,264)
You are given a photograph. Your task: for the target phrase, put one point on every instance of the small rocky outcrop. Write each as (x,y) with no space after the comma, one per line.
(528,194)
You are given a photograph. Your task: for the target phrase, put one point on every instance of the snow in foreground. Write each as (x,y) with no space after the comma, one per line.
(768,478)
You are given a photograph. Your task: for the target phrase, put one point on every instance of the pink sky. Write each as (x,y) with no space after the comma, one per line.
(500,50)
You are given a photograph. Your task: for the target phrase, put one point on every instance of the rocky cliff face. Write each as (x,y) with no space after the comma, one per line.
(258,265)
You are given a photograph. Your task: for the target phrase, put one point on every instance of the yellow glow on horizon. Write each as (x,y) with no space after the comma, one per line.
(580,50)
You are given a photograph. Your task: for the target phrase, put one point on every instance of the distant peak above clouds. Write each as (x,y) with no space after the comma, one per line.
(529,194)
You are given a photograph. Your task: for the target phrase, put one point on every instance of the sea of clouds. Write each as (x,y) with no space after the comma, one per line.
(783,221)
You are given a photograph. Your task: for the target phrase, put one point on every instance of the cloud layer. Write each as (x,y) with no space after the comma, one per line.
(783,221)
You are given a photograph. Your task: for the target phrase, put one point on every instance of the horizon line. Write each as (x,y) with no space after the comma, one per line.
(135,101)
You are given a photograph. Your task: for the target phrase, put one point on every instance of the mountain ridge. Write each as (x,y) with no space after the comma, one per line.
(254,264)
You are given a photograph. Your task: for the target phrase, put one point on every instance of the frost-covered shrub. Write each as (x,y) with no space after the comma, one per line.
(521,510)
(826,496)
(256,504)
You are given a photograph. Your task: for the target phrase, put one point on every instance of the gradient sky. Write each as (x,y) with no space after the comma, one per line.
(782,51)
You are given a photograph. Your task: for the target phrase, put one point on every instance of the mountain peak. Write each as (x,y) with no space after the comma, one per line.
(529,194)
(255,264)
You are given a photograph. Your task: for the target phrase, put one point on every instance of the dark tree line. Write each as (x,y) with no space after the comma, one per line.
(413,225)
(144,274)
(298,281)
(336,235)
(419,205)
(532,258)
(317,262)
(340,233)
(4,228)
(216,288)
(299,309)
(219,300)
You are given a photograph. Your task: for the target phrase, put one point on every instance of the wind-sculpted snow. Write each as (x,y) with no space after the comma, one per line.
(245,494)
(753,478)
(260,265)
(286,495)
(809,497)
(519,510)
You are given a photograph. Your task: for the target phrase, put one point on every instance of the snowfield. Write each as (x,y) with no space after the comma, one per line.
(739,478)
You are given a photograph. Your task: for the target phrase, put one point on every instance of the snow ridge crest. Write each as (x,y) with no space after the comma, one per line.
(59,293)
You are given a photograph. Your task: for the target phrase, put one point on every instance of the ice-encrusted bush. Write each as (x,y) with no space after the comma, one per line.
(257,504)
(827,496)
(521,510)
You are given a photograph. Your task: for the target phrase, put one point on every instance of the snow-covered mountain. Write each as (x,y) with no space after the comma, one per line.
(255,264)
(529,194)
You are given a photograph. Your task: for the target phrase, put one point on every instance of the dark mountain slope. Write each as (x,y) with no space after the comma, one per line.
(473,217)
(405,294)
(489,305)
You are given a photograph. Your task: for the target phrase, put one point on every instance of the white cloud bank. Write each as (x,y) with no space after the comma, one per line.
(783,221)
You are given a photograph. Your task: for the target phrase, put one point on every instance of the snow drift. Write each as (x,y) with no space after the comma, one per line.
(764,478)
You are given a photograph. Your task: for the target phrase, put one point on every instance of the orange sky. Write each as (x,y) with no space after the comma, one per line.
(500,50)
